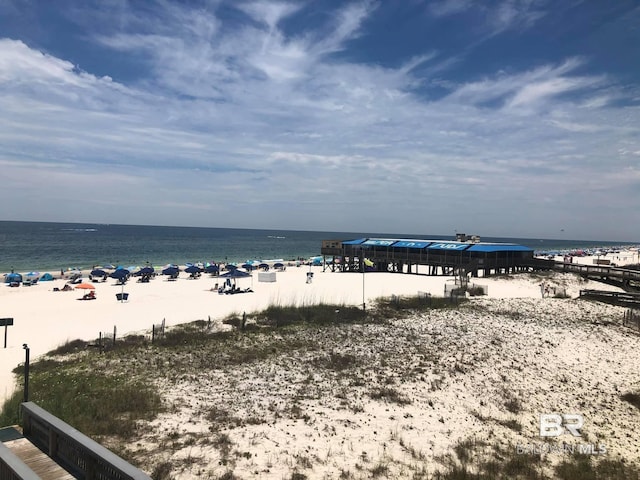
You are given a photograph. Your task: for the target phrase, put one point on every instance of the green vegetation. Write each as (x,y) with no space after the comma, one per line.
(110,393)
(95,404)
(474,461)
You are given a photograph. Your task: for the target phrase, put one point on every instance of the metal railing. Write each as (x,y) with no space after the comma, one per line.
(77,453)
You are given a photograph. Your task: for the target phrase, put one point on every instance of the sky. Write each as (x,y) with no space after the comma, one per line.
(512,118)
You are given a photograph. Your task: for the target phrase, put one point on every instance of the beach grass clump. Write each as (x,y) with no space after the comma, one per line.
(318,314)
(475,291)
(162,471)
(390,395)
(69,347)
(632,397)
(479,460)
(93,401)
(390,306)
(337,361)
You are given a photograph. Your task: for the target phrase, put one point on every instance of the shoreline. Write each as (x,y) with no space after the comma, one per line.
(619,255)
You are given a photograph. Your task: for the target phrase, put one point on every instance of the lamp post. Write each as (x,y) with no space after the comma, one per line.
(26,372)
(364,304)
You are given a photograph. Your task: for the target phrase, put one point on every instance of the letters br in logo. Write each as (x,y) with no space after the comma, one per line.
(554,425)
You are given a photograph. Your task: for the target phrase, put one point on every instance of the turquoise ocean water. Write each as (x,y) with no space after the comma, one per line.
(26,246)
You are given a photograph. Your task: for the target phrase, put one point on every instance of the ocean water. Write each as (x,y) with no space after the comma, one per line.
(42,246)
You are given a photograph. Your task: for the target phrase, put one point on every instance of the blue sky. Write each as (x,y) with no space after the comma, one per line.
(505,118)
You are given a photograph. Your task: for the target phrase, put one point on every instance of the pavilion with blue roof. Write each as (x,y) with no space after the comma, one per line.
(442,257)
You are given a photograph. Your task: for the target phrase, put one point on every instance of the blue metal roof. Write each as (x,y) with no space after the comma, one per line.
(457,246)
(438,245)
(498,247)
(411,244)
(357,241)
(379,242)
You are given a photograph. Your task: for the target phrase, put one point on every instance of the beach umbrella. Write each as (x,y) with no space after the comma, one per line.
(97,272)
(109,266)
(212,269)
(120,273)
(85,286)
(32,274)
(171,271)
(47,277)
(235,274)
(278,265)
(12,277)
(193,269)
(247,266)
(144,271)
(263,266)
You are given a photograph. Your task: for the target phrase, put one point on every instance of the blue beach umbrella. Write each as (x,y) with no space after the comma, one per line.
(120,273)
(12,278)
(32,274)
(144,271)
(171,271)
(212,269)
(192,269)
(235,274)
(98,273)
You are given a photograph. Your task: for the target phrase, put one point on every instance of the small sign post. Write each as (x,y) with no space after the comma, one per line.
(5,322)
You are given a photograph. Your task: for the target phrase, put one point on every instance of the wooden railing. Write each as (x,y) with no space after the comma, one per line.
(12,468)
(617,298)
(77,453)
(599,271)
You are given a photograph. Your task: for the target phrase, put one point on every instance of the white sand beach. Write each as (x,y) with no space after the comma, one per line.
(514,344)
(45,319)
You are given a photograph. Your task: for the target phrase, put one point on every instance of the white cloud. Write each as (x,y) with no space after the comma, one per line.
(255,118)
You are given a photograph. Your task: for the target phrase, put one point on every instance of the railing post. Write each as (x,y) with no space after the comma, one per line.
(53,443)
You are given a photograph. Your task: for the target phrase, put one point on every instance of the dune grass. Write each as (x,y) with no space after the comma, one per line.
(109,394)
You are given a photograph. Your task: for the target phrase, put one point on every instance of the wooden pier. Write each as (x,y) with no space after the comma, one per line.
(442,257)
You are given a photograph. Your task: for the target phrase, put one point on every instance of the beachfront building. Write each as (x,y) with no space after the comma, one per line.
(440,257)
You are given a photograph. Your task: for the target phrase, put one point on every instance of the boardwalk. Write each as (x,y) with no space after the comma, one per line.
(600,271)
(624,299)
(49,443)
(37,460)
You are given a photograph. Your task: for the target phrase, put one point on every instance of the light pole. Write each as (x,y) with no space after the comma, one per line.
(364,304)
(26,372)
